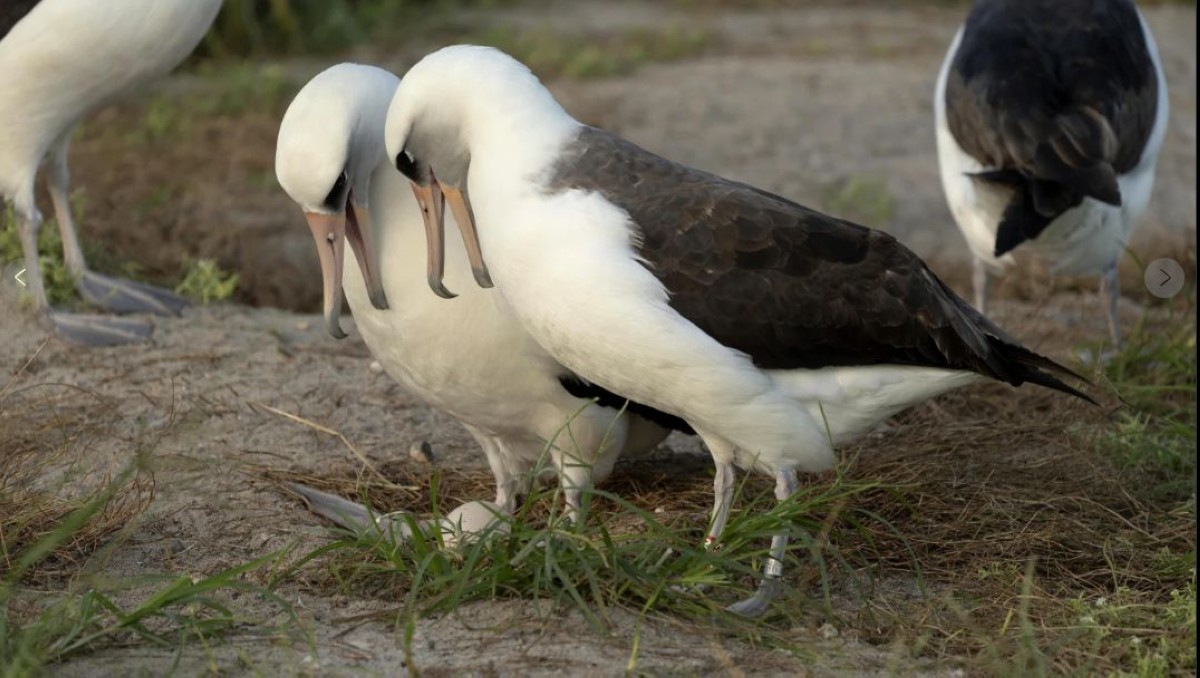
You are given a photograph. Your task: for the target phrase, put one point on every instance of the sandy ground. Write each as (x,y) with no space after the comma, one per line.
(793,100)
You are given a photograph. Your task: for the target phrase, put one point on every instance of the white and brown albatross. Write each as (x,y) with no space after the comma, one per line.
(468,357)
(59,60)
(776,332)
(1050,117)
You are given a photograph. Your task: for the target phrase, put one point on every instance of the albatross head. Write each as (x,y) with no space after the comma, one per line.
(448,104)
(330,142)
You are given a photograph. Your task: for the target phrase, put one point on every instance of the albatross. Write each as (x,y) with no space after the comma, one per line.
(59,60)
(1050,117)
(469,357)
(774,331)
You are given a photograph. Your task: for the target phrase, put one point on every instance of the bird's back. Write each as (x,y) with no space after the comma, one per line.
(784,284)
(1056,100)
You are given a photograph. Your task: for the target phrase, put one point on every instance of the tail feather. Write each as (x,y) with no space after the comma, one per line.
(1084,137)
(1027,366)
(1004,358)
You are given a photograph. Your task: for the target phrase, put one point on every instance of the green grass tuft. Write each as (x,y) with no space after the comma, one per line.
(619,557)
(204,281)
(1155,433)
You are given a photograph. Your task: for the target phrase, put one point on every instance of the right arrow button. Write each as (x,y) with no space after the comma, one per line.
(1164,278)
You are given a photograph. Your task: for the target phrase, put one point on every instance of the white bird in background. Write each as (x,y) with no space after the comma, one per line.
(1050,117)
(59,60)
(468,357)
(775,331)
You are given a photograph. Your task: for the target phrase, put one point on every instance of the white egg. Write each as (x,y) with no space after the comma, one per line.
(471,520)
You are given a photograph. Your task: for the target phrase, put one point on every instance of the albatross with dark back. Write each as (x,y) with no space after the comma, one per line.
(787,285)
(1050,116)
(772,330)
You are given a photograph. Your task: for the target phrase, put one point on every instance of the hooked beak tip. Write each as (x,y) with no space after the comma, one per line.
(482,277)
(379,300)
(334,328)
(439,289)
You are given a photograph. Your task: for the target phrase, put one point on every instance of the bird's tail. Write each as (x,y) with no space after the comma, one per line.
(1073,161)
(1076,160)
(1003,357)
(1026,366)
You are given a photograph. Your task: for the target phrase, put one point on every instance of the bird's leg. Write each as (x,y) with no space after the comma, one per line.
(508,483)
(723,483)
(574,476)
(58,186)
(111,294)
(982,278)
(756,605)
(1110,295)
(29,222)
(79,329)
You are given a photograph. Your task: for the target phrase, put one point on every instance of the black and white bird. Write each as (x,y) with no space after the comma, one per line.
(59,60)
(468,357)
(775,331)
(1050,117)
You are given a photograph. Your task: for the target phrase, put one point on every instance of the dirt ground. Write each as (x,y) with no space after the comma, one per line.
(796,100)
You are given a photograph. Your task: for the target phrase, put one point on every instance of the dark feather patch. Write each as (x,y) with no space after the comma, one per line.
(1021,222)
(605,398)
(1063,92)
(788,286)
(11,13)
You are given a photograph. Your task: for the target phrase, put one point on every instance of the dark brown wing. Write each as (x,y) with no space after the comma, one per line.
(1059,97)
(12,11)
(787,285)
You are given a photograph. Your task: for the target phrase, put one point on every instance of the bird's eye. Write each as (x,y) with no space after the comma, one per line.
(334,200)
(407,165)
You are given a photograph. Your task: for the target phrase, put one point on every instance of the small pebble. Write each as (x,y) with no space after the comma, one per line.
(376,367)
(828,631)
(421,452)
(660,510)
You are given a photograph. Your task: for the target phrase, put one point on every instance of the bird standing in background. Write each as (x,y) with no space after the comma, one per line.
(59,60)
(775,331)
(1050,117)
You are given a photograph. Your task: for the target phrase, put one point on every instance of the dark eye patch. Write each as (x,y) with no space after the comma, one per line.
(337,196)
(407,166)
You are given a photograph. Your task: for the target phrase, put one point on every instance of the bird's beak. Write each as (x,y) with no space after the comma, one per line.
(329,231)
(432,200)
(461,207)
(358,232)
(433,212)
